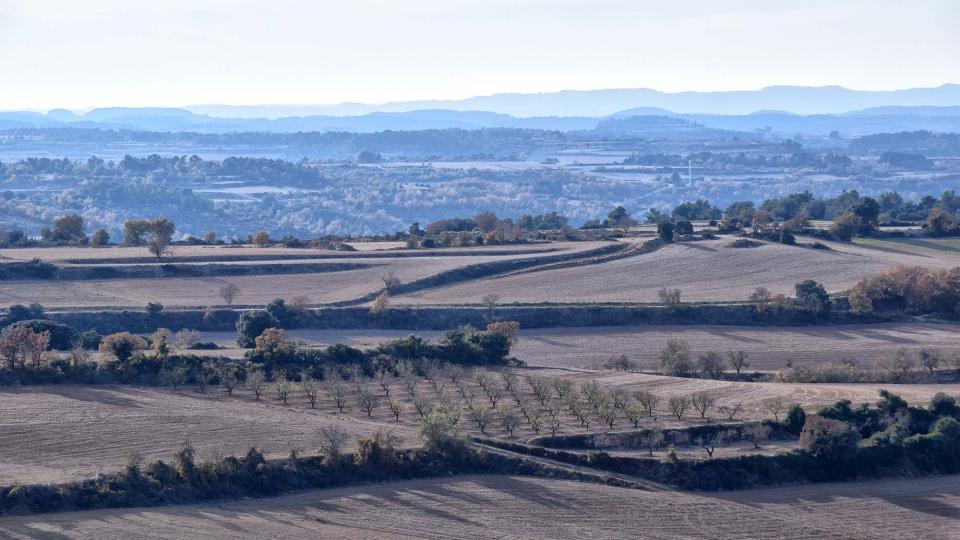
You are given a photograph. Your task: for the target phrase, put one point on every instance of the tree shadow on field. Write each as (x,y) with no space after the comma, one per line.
(694,245)
(105,396)
(925,501)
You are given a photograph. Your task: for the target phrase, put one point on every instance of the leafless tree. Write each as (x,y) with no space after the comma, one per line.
(678,405)
(422,406)
(256,381)
(396,407)
(332,439)
(282,387)
(775,405)
(384,378)
(731,410)
(647,400)
(338,392)
(539,387)
(311,389)
(709,443)
(607,412)
(481,416)
(490,302)
(652,440)
(702,402)
(366,400)
(509,418)
(634,413)
(553,424)
(930,359)
(229,293)
(738,360)
(899,365)
(757,433)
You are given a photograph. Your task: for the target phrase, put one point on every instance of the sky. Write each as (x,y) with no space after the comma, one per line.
(96,53)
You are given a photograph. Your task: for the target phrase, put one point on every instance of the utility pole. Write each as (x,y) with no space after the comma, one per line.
(689,173)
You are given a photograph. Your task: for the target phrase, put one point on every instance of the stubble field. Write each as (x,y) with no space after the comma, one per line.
(519,507)
(703,271)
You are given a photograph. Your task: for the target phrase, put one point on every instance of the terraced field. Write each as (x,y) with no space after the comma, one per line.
(703,271)
(322,287)
(769,349)
(520,507)
(69,432)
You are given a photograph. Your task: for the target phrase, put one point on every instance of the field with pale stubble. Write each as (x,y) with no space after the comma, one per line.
(518,507)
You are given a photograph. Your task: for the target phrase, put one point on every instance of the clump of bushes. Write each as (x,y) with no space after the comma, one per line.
(915,289)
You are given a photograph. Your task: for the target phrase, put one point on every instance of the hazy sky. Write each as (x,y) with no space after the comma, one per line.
(88,53)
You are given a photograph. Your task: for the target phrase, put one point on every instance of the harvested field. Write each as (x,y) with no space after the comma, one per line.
(769,348)
(703,271)
(520,507)
(752,395)
(69,432)
(199,291)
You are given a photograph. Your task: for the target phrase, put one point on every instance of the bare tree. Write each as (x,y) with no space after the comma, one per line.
(422,406)
(757,433)
(494,392)
(620,398)
(229,293)
(508,418)
(930,360)
(396,407)
(563,388)
(634,413)
(553,424)
(647,400)
(775,405)
(390,281)
(539,387)
(652,440)
(454,372)
(490,302)
(366,400)
(535,419)
(731,411)
(256,381)
(281,388)
(337,391)
(669,297)
(607,412)
(579,410)
(678,405)
(205,374)
(311,389)
(510,381)
(481,416)
(711,365)
(384,378)
(710,442)
(702,402)
(738,360)
(332,439)
(899,365)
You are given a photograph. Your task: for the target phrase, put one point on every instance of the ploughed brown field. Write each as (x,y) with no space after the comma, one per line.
(703,271)
(521,507)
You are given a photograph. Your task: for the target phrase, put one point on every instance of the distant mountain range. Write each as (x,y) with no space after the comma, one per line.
(596,103)
(773,110)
